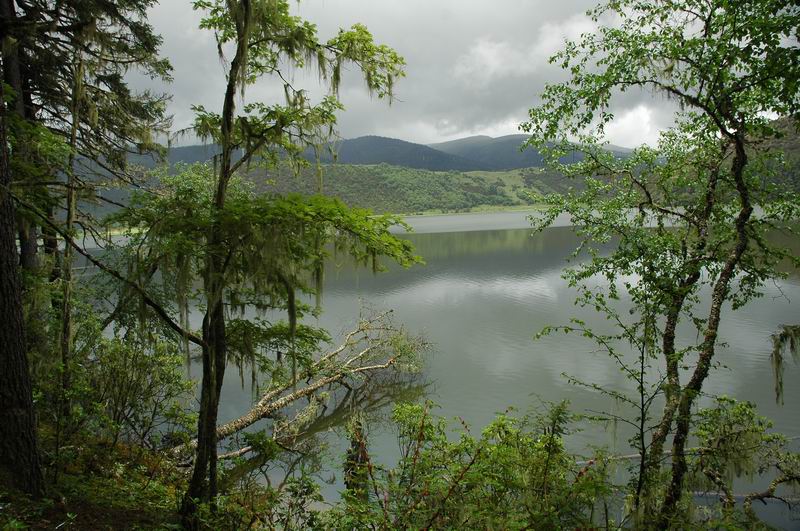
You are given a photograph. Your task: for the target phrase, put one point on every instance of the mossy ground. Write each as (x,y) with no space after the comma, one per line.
(99,488)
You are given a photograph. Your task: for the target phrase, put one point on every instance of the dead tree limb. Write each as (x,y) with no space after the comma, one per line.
(369,348)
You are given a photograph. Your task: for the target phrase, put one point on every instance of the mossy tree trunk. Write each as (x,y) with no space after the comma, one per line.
(19,454)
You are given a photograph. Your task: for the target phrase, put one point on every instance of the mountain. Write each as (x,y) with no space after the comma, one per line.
(475,153)
(502,153)
(378,149)
(186,154)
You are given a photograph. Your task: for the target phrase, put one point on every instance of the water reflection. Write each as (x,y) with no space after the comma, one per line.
(480,299)
(483,295)
(371,400)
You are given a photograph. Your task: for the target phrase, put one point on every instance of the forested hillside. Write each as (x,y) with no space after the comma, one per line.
(385,188)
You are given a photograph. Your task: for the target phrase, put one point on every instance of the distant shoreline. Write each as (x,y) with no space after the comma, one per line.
(475,210)
(434,222)
(475,221)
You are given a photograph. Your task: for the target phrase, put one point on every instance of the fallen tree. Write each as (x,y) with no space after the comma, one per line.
(373,346)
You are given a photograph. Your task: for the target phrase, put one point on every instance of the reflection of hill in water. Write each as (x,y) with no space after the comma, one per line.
(466,255)
(517,253)
(465,244)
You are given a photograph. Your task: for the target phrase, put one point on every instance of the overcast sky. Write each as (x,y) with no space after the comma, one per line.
(473,66)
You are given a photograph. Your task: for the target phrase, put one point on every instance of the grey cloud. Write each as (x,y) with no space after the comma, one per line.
(473,67)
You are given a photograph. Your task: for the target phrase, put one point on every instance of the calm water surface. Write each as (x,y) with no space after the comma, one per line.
(480,299)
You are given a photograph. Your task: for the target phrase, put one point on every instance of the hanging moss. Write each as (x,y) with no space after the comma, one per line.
(785,341)
(291,308)
(182,276)
(319,280)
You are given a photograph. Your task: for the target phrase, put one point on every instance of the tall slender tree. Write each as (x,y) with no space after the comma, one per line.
(19,454)
(263,36)
(64,64)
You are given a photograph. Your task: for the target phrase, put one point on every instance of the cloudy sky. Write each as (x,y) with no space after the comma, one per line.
(473,66)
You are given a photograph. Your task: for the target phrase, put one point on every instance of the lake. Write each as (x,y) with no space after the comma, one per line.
(481,297)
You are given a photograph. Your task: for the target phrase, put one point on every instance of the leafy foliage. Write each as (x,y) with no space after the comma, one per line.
(516,475)
(692,215)
(733,441)
(276,244)
(128,387)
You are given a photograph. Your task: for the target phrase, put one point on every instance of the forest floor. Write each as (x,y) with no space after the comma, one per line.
(102,488)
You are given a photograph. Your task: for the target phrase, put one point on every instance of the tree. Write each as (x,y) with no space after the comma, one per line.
(61,46)
(684,212)
(67,67)
(19,452)
(263,36)
(12,74)
(66,63)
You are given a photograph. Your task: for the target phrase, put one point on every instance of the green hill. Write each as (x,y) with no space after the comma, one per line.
(386,188)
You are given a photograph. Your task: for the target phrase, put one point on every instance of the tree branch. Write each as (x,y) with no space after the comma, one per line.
(148,300)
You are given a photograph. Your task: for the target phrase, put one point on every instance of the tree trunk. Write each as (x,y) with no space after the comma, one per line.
(198,491)
(673,387)
(215,349)
(19,452)
(28,245)
(719,296)
(12,74)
